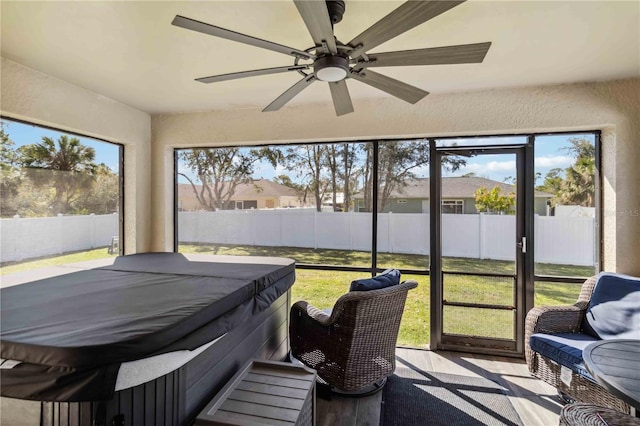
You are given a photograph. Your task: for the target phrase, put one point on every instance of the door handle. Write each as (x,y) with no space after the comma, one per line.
(522,245)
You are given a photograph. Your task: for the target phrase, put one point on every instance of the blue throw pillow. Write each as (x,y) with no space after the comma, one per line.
(388,278)
(614,309)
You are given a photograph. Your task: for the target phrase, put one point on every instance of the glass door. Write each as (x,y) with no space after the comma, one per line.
(479,248)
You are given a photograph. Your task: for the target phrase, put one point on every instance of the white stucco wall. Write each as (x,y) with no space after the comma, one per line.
(38,98)
(613,107)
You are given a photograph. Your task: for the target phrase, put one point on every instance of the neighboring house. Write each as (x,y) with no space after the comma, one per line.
(259,194)
(327,202)
(458,196)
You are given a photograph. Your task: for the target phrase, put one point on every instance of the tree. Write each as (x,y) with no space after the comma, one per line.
(332,165)
(70,165)
(509,180)
(9,157)
(574,185)
(579,185)
(342,167)
(309,161)
(552,183)
(493,201)
(348,173)
(221,170)
(32,200)
(10,176)
(104,197)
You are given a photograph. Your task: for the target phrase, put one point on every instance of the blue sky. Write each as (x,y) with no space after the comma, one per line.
(548,149)
(550,153)
(25,134)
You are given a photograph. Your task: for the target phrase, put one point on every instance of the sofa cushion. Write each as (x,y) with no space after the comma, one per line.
(564,348)
(614,308)
(387,278)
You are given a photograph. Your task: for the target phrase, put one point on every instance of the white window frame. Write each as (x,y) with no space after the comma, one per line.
(453,203)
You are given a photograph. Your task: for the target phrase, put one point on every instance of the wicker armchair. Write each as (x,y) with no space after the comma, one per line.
(566,319)
(354,346)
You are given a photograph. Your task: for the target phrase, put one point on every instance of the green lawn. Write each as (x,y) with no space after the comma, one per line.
(81,256)
(396,260)
(323,288)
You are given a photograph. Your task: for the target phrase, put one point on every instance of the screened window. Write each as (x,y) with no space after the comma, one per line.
(61,197)
(565,214)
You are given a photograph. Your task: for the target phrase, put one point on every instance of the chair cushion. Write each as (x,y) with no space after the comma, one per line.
(564,348)
(614,308)
(388,278)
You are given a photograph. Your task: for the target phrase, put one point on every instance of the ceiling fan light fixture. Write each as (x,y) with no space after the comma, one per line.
(331,68)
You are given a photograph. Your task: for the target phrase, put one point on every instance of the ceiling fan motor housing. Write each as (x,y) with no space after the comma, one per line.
(331,68)
(336,9)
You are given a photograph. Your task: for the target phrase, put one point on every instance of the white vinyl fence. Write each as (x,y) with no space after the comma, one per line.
(31,237)
(558,240)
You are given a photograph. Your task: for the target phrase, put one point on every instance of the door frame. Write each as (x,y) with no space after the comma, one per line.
(524,271)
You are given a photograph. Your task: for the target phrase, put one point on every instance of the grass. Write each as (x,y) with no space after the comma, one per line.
(395,260)
(81,256)
(323,288)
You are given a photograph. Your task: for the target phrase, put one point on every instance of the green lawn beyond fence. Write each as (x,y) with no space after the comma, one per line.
(323,288)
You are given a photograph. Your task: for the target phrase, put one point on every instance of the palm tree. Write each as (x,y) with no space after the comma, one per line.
(70,165)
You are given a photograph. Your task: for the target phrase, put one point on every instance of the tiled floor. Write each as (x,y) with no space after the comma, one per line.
(535,401)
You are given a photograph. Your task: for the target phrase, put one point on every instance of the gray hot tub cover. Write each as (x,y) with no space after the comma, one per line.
(72,332)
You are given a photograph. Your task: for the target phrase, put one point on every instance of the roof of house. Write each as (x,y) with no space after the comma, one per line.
(256,188)
(452,187)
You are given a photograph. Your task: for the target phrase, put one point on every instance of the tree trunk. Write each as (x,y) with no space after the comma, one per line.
(346,198)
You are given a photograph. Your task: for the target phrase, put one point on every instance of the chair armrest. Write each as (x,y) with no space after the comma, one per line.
(562,318)
(303,308)
(550,319)
(554,319)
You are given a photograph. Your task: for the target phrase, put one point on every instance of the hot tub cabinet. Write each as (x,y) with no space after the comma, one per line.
(227,311)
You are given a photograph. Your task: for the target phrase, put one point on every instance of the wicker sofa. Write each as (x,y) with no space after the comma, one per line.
(353,347)
(572,332)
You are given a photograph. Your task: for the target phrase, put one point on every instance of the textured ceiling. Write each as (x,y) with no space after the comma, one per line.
(128,51)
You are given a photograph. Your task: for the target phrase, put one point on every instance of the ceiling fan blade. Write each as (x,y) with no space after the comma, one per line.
(401,90)
(461,54)
(252,73)
(290,93)
(404,18)
(316,18)
(341,99)
(201,27)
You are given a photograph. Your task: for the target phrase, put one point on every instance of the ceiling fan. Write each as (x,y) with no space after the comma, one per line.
(334,62)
